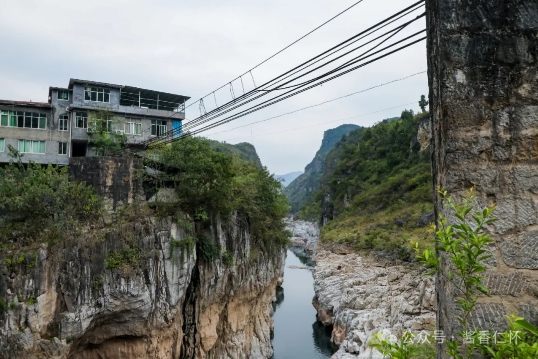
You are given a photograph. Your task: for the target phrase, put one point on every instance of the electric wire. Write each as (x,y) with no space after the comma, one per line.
(350,62)
(321,103)
(379,25)
(285,48)
(207,117)
(256,108)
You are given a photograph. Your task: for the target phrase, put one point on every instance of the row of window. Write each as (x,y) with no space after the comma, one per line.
(39,120)
(36,147)
(23,119)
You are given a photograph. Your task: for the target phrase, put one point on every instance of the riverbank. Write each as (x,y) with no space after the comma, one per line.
(361,295)
(356,295)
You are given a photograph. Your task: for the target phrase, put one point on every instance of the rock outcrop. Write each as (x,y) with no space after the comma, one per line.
(141,287)
(304,237)
(361,295)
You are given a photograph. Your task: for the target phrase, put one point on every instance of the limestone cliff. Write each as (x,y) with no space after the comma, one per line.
(361,295)
(141,287)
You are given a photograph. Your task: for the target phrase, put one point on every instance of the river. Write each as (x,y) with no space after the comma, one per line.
(297,334)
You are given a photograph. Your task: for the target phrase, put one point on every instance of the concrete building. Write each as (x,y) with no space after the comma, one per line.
(55,131)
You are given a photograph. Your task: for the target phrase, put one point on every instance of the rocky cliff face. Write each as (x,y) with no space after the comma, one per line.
(361,295)
(300,191)
(141,288)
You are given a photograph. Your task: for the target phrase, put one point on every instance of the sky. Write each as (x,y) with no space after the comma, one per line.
(194,47)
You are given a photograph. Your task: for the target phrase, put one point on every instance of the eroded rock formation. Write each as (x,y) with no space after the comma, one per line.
(165,298)
(361,295)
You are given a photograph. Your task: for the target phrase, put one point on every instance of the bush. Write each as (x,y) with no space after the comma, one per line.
(128,256)
(39,202)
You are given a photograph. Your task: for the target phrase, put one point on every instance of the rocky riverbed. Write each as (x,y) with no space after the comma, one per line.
(358,295)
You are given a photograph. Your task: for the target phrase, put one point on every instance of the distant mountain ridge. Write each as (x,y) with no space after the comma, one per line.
(300,191)
(288,177)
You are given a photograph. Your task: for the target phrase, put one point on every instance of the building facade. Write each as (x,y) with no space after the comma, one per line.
(53,132)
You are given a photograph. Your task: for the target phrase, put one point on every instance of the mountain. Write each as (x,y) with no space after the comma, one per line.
(288,177)
(300,190)
(376,189)
(244,150)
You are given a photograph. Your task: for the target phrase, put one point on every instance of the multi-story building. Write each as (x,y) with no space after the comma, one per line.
(54,131)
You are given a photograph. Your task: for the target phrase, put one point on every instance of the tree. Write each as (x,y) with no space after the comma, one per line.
(423,103)
(102,133)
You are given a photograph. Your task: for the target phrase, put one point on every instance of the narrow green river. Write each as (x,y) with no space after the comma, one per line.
(297,334)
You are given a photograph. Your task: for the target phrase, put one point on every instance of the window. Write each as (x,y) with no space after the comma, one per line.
(81,120)
(63,95)
(23,119)
(62,148)
(28,146)
(158,127)
(64,121)
(133,128)
(97,94)
(1,145)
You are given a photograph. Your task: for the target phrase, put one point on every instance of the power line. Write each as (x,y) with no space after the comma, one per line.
(251,93)
(254,109)
(212,114)
(375,28)
(287,94)
(293,88)
(321,103)
(323,123)
(285,48)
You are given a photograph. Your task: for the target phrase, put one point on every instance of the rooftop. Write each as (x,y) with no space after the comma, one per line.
(24,103)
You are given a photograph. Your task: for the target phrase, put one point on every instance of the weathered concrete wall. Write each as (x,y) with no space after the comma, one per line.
(482,68)
(117,180)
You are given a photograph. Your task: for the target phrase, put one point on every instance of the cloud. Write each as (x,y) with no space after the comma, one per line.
(191,48)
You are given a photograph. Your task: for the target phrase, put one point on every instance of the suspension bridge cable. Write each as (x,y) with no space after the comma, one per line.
(379,25)
(321,103)
(394,17)
(257,108)
(326,122)
(252,92)
(350,62)
(285,48)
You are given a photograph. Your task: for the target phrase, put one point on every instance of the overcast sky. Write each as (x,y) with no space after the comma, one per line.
(193,47)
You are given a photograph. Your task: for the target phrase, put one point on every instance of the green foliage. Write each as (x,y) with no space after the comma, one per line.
(375,188)
(228,258)
(38,202)
(186,245)
(204,178)
(98,282)
(210,183)
(3,305)
(301,191)
(127,257)
(404,348)
(102,135)
(423,103)
(208,250)
(15,306)
(31,300)
(464,244)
